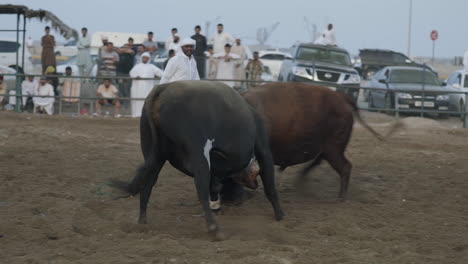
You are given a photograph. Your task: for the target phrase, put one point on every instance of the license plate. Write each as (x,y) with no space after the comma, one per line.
(426,104)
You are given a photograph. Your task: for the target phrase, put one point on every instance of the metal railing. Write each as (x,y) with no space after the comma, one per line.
(87,96)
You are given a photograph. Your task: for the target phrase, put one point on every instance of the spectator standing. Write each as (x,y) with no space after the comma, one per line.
(175,45)
(212,64)
(183,65)
(125,64)
(108,95)
(108,61)
(239,71)
(226,64)
(199,53)
(83,58)
(254,70)
(48,54)
(141,88)
(70,86)
(220,39)
(138,53)
(149,42)
(170,39)
(131,44)
(44,104)
(170,54)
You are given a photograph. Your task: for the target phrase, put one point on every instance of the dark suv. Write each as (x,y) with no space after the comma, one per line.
(372,60)
(323,65)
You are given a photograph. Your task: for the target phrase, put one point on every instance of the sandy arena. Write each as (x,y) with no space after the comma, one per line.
(407,201)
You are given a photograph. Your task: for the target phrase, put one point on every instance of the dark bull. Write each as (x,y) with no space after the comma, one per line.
(207,131)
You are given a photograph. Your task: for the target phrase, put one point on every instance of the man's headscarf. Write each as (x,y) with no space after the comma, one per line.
(50,69)
(187,42)
(146,54)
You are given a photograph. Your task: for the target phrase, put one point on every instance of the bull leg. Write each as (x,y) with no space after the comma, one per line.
(215,199)
(202,184)
(150,176)
(267,175)
(343,167)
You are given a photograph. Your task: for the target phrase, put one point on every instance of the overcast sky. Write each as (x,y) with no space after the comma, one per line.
(358,23)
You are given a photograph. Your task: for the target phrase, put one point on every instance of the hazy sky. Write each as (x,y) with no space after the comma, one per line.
(358,23)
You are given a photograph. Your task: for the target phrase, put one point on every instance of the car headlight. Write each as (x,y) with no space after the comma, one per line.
(302,72)
(404,96)
(354,78)
(442,97)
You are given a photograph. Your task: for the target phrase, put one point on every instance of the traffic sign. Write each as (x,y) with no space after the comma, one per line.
(434,35)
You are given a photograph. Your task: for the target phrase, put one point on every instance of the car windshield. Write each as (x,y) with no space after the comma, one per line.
(413,76)
(8,46)
(324,55)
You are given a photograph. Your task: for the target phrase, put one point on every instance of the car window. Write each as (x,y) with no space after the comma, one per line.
(272,57)
(465,82)
(453,78)
(323,55)
(399,58)
(8,46)
(413,76)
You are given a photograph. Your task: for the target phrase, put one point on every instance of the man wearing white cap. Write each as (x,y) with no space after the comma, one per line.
(141,88)
(183,65)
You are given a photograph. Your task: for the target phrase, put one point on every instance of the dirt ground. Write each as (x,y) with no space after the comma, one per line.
(407,201)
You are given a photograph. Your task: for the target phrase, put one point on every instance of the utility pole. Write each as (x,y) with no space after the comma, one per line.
(409,26)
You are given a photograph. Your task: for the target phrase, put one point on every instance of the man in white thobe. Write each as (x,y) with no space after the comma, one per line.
(141,88)
(220,39)
(175,44)
(226,64)
(170,39)
(83,58)
(329,37)
(239,71)
(183,65)
(44,104)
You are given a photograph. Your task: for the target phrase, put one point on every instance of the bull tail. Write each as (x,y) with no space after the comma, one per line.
(146,122)
(357,114)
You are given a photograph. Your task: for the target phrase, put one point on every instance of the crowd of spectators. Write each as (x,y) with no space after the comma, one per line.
(220,57)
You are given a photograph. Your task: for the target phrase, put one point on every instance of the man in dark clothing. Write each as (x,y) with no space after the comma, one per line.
(199,52)
(125,64)
(169,56)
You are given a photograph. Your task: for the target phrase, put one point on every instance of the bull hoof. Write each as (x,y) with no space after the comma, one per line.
(279,216)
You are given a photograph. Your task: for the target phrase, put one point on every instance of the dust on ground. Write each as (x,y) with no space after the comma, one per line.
(407,201)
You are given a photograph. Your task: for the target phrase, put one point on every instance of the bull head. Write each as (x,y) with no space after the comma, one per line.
(248,176)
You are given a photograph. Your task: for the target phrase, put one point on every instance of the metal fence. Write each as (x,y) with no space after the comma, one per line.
(87,98)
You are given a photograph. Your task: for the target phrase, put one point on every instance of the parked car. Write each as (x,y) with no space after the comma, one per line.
(8,79)
(323,65)
(408,84)
(457,81)
(370,61)
(273,59)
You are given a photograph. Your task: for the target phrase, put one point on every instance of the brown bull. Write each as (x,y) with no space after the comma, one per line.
(307,123)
